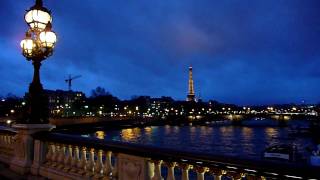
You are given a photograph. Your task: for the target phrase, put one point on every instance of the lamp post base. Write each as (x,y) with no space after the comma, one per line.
(24,146)
(38,111)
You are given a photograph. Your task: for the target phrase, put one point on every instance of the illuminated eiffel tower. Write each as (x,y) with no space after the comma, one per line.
(190,96)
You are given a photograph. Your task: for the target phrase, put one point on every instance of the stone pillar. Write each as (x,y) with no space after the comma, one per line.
(132,167)
(38,156)
(26,150)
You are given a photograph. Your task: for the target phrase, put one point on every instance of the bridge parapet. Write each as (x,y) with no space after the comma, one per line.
(76,157)
(63,156)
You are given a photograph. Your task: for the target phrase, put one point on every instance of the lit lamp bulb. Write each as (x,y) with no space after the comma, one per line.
(38,17)
(47,37)
(27,45)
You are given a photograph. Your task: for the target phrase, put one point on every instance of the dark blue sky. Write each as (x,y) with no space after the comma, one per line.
(242,51)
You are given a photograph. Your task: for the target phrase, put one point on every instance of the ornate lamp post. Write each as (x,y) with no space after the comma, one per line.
(38,45)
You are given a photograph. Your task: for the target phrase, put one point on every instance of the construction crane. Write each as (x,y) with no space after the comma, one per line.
(70,79)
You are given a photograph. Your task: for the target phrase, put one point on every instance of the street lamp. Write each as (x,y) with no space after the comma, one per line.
(38,45)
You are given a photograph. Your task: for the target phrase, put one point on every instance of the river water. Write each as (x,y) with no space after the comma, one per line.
(248,141)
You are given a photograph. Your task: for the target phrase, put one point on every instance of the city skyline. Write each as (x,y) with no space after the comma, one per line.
(244,53)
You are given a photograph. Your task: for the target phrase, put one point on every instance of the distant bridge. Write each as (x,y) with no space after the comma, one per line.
(283,116)
(237,119)
(137,121)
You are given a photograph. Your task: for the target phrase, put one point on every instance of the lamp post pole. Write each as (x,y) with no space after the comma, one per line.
(38,101)
(37,45)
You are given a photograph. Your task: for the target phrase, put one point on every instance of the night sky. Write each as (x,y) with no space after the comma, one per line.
(242,51)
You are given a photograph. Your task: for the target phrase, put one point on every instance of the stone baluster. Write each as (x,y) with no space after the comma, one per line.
(68,159)
(1,143)
(49,154)
(55,155)
(12,140)
(6,143)
(262,178)
(150,169)
(1,140)
(75,160)
(217,173)
(171,166)
(9,140)
(185,170)
(107,164)
(115,167)
(83,161)
(200,172)
(6,140)
(61,156)
(235,175)
(157,170)
(90,169)
(7,147)
(99,168)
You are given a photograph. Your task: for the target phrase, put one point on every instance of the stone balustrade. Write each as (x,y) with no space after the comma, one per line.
(75,157)
(6,145)
(81,162)
(62,156)
(76,162)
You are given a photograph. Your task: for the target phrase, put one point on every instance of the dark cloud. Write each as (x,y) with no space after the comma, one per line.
(243,51)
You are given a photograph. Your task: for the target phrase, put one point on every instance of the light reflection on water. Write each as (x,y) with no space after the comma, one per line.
(131,134)
(248,142)
(100,134)
(271,132)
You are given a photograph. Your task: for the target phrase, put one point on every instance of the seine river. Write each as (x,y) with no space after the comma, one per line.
(247,141)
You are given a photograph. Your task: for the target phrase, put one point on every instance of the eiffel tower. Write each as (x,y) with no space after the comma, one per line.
(190,96)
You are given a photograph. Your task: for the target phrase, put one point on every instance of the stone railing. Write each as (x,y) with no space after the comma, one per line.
(61,156)
(7,145)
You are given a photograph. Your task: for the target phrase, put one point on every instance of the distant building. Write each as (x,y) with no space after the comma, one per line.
(191,94)
(158,106)
(60,99)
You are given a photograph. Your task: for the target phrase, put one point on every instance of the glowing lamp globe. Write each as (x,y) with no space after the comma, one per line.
(38,17)
(48,39)
(27,46)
